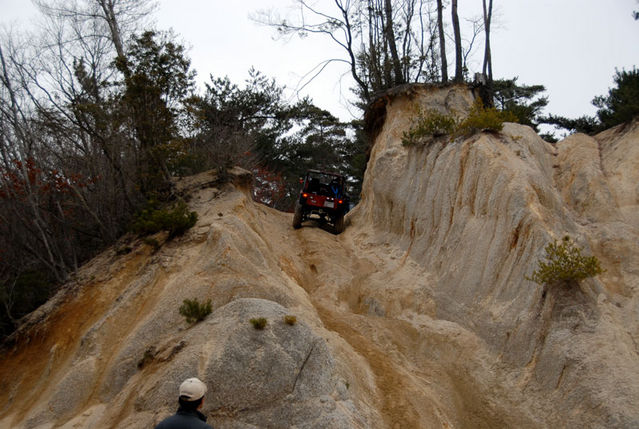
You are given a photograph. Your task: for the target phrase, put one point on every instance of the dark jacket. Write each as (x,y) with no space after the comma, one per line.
(184,420)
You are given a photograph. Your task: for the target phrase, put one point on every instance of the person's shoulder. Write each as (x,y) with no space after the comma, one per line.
(163,424)
(202,425)
(177,421)
(166,423)
(205,425)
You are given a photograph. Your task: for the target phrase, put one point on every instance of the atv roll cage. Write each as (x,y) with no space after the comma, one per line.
(322,198)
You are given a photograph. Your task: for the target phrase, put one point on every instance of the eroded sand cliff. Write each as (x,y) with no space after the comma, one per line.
(417,316)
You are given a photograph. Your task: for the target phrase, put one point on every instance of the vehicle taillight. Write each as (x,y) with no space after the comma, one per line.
(305,195)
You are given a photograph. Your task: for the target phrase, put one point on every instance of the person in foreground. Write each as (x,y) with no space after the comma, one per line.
(188,415)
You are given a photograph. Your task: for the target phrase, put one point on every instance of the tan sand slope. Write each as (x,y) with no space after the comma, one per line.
(417,316)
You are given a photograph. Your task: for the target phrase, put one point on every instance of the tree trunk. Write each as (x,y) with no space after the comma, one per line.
(442,40)
(487,69)
(389,32)
(459,72)
(351,53)
(114,28)
(111,19)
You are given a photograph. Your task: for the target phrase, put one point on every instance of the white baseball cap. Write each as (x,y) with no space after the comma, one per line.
(192,389)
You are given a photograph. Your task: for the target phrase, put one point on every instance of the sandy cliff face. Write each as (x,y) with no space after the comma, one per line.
(418,315)
(477,213)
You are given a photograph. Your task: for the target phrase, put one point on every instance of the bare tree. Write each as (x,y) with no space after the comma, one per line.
(476,25)
(459,71)
(385,42)
(389,33)
(487,68)
(66,175)
(442,41)
(121,17)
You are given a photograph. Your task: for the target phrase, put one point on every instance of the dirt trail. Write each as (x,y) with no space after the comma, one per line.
(336,274)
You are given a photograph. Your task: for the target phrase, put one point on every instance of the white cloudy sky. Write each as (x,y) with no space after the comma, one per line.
(570,46)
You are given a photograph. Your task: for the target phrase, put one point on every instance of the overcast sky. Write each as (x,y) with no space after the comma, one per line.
(570,46)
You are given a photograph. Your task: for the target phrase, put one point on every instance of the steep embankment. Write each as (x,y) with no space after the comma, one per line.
(418,315)
(478,212)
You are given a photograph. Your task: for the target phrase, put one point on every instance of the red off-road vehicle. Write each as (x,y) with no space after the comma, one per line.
(322,198)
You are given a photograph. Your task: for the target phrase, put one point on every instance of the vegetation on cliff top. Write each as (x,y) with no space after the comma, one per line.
(431,124)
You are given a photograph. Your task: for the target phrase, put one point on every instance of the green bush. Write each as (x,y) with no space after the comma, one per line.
(176,220)
(429,124)
(482,118)
(433,124)
(565,263)
(194,311)
(259,323)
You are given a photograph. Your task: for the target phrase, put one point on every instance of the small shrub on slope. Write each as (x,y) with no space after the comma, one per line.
(194,311)
(176,220)
(290,320)
(259,323)
(565,263)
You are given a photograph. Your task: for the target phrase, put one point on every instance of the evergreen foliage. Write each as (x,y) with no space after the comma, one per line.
(622,102)
(157,82)
(523,101)
(176,219)
(194,311)
(565,263)
(254,127)
(621,105)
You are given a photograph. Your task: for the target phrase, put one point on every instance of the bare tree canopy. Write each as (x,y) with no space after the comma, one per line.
(384,42)
(121,17)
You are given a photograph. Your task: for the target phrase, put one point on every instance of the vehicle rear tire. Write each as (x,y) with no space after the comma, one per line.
(297,217)
(339,224)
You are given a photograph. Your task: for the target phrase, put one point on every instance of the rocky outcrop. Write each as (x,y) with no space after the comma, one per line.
(419,315)
(478,212)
